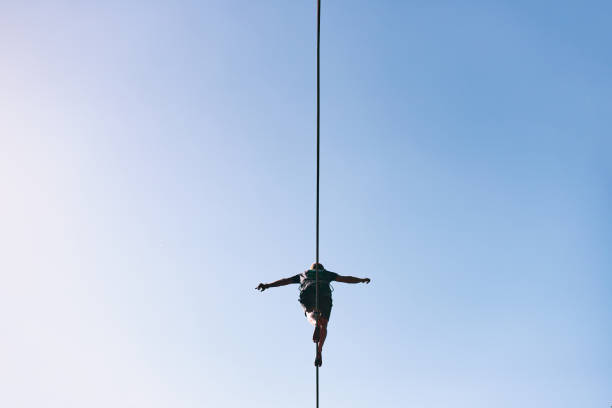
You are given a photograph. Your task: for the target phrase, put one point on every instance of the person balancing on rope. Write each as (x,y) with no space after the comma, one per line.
(308,298)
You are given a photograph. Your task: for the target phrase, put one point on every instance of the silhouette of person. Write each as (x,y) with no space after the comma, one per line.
(308,298)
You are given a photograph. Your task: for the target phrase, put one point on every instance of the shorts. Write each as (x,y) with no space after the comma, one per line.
(308,301)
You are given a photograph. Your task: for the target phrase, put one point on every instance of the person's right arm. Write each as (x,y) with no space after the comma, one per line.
(351,279)
(280,282)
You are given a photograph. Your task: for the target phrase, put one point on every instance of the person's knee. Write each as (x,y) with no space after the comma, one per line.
(312,317)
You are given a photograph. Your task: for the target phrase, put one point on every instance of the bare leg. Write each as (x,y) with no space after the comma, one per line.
(312,318)
(322,326)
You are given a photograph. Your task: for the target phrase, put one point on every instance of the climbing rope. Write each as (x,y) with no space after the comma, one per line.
(318,161)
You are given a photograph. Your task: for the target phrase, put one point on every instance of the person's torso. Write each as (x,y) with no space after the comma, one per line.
(308,278)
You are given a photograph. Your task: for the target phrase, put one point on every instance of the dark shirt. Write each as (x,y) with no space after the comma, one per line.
(307,279)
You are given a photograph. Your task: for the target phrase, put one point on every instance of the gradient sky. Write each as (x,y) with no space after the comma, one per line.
(157,163)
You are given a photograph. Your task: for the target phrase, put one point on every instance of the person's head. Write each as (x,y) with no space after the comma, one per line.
(316,266)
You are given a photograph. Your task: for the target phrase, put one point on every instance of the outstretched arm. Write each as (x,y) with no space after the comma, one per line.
(280,282)
(351,279)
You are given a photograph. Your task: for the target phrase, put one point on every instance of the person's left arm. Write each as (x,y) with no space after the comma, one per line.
(351,279)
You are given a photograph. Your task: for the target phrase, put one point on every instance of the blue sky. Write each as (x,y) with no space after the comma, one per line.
(157,161)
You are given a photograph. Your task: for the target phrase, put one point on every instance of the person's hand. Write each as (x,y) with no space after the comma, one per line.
(262,287)
(366,280)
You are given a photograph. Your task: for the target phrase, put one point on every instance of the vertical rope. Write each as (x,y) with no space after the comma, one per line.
(318,160)
(318,114)
(318,150)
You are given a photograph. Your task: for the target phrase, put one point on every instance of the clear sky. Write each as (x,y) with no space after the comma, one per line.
(157,161)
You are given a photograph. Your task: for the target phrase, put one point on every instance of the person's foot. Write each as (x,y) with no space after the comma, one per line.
(318,361)
(317,334)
